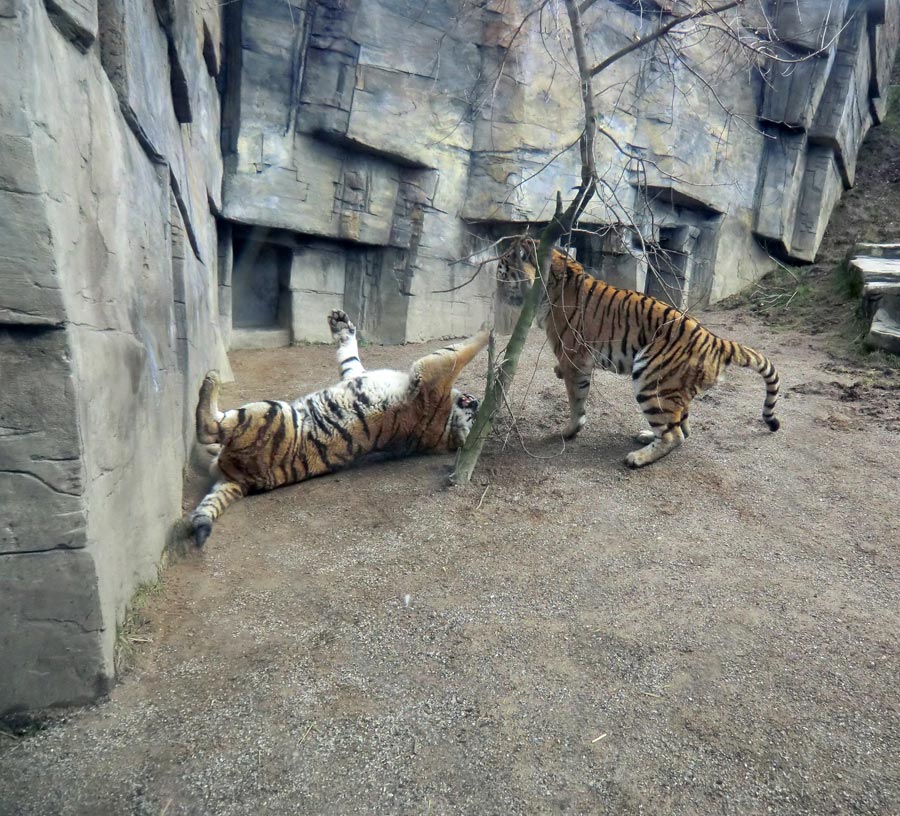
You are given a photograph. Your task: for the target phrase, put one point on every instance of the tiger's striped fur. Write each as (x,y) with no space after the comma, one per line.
(268,444)
(670,356)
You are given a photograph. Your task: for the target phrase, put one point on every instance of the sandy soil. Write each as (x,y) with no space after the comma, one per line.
(716,634)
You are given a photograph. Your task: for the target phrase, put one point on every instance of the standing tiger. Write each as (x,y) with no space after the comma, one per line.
(670,356)
(269,444)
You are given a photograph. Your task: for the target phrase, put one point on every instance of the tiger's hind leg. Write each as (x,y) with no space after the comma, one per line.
(212,506)
(665,409)
(666,439)
(208,415)
(343,332)
(646,436)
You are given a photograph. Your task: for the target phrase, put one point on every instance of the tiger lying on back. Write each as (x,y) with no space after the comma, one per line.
(273,443)
(670,356)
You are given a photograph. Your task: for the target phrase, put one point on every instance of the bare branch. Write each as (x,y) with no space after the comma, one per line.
(661,32)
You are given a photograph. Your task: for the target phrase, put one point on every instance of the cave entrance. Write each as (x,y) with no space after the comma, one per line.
(261,297)
(670,265)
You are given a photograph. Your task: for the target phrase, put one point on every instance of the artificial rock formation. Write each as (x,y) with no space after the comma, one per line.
(877,270)
(180,177)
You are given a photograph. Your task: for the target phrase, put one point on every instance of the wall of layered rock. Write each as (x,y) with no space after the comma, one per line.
(109,174)
(381,144)
(178,177)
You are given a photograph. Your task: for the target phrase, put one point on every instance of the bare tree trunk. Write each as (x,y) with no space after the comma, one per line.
(561,224)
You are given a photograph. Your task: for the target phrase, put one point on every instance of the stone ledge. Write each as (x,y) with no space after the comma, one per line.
(259,338)
(884,333)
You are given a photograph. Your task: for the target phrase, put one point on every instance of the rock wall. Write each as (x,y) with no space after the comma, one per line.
(178,177)
(109,170)
(392,141)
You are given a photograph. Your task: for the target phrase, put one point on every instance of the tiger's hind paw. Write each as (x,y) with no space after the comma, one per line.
(340,325)
(644,437)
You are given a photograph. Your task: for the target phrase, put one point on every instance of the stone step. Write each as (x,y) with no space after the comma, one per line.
(885,331)
(879,277)
(877,250)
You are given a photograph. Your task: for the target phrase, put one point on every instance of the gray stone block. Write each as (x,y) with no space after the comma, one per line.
(41,477)
(793,90)
(29,288)
(879,278)
(812,25)
(884,332)
(843,117)
(883,39)
(135,53)
(780,187)
(891,251)
(52,630)
(822,188)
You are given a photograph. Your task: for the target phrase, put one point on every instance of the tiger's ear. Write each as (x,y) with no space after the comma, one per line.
(442,367)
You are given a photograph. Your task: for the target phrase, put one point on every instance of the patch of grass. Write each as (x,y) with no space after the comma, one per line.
(131,631)
(786,286)
(847,284)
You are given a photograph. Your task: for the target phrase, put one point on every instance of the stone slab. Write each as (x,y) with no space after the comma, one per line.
(784,165)
(793,90)
(843,117)
(879,277)
(41,476)
(135,53)
(884,333)
(877,250)
(812,25)
(883,48)
(260,338)
(29,288)
(822,188)
(52,628)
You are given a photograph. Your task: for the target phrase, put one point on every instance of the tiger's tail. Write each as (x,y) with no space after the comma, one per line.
(750,358)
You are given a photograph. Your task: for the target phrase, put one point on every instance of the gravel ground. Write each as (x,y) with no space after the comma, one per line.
(716,634)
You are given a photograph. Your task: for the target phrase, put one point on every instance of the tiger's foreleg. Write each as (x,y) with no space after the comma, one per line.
(578,385)
(213,505)
(343,332)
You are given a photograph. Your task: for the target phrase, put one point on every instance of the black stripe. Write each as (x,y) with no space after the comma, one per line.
(322,451)
(317,417)
(333,406)
(342,431)
(600,302)
(357,409)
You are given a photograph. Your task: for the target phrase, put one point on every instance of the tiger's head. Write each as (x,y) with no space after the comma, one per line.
(516,271)
(461,419)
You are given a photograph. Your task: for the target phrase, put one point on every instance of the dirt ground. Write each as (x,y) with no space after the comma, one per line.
(716,634)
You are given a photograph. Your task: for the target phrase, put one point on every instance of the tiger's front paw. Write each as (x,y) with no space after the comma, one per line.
(340,325)
(572,429)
